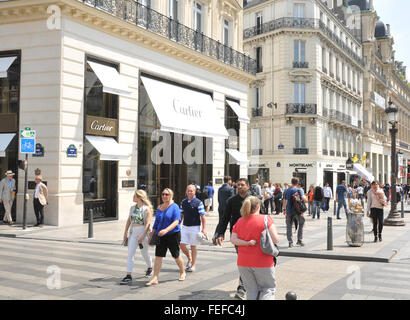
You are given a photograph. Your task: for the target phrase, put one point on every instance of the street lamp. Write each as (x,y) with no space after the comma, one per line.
(394,218)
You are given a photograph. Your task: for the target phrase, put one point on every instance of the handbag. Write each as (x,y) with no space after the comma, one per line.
(155,239)
(266,242)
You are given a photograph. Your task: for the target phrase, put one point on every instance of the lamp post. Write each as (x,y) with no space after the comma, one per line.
(394,218)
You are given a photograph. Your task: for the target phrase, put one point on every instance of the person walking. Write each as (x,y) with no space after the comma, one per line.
(271,190)
(290,212)
(341,192)
(349,196)
(209,192)
(193,216)
(224,193)
(318,197)
(139,224)
(167,227)
(256,189)
(360,194)
(257,269)
(375,203)
(277,195)
(7,195)
(328,194)
(266,196)
(40,200)
(231,215)
(310,200)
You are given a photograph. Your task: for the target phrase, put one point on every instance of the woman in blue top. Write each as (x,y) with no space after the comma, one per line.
(167,227)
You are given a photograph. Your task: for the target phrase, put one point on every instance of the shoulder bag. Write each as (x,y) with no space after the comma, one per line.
(155,239)
(266,242)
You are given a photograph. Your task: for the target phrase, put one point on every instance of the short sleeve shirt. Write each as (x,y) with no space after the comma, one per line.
(247,229)
(165,218)
(289,193)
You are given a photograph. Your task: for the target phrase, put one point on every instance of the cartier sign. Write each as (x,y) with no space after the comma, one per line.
(101,126)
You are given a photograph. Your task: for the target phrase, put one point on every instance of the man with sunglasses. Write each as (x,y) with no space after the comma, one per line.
(231,215)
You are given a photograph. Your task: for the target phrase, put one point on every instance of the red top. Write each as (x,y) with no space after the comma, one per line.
(247,229)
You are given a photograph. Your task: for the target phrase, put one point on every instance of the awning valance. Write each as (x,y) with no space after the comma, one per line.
(5,139)
(5,64)
(108,148)
(240,112)
(184,111)
(239,158)
(111,80)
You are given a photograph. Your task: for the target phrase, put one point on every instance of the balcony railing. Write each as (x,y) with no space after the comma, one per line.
(325,152)
(299,64)
(300,151)
(304,23)
(332,153)
(378,99)
(257,152)
(257,112)
(379,76)
(137,14)
(301,108)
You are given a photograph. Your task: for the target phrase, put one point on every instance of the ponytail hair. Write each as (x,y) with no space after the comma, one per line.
(249,206)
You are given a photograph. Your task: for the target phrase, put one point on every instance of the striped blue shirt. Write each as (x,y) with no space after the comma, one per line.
(192,211)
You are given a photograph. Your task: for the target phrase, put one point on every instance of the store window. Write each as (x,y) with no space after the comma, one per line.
(100,177)
(232,124)
(300,137)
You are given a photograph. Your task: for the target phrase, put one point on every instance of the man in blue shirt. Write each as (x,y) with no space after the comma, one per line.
(208,200)
(341,192)
(290,212)
(193,214)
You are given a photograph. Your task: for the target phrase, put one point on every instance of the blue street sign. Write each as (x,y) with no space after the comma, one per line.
(27,145)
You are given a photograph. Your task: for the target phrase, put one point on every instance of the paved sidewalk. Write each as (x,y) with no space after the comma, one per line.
(395,245)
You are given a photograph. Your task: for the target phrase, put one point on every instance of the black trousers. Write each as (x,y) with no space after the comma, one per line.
(377,216)
(327,203)
(38,211)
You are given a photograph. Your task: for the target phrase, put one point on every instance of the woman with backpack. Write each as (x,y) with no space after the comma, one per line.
(256,268)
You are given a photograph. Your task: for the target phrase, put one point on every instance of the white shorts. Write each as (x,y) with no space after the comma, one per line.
(208,202)
(189,235)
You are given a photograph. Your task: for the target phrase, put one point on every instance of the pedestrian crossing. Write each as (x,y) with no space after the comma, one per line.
(93,271)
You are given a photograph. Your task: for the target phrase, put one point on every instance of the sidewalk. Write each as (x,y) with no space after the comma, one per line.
(395,245)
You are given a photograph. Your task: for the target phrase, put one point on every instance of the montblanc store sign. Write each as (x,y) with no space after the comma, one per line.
(101,126)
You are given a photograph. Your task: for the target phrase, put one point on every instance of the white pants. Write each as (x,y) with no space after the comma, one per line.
(259,283)
(133,245)
(7,208)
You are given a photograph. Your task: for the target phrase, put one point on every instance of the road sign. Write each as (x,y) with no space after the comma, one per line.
(27,134)
(27,145)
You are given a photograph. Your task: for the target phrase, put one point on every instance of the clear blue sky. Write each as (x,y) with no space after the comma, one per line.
(396,13)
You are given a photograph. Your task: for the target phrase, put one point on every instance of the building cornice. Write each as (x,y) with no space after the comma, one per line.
(36,10)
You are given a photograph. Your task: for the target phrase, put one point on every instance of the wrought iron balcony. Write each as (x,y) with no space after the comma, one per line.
(325,152)
(257,152)
(332,152)
(301,108)
(300,151)
(257,112)
(137,14)
(299,64)
(305,23)
(379,76)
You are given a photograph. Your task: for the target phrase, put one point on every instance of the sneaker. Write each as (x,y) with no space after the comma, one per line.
(290,244)
(190,269)
(126,280)
(300,243)
(240,294)
(148,273)
(188,265)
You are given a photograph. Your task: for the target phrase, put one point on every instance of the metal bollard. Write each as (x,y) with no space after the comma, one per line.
(90,224)
(334,207)
(402,208)
(291,296)
(329,234)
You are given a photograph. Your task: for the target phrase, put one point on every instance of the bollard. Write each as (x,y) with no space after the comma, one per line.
(90,224)
(334,207)
(291,296)
(329,234)
(402,208)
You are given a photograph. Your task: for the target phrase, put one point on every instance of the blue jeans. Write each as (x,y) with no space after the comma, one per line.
(341,203)
(316,208)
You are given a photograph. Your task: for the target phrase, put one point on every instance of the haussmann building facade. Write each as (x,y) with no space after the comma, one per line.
(122,95)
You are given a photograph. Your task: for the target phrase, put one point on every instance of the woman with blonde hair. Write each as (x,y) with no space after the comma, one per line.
(140,221)
(257,269)
(167,227)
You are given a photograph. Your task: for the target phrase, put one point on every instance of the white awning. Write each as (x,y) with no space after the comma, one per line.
(5,139)
(240,158)
(240,112)
(108,148)
(185,111)
(111,80)
(361,171)
(5,64)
